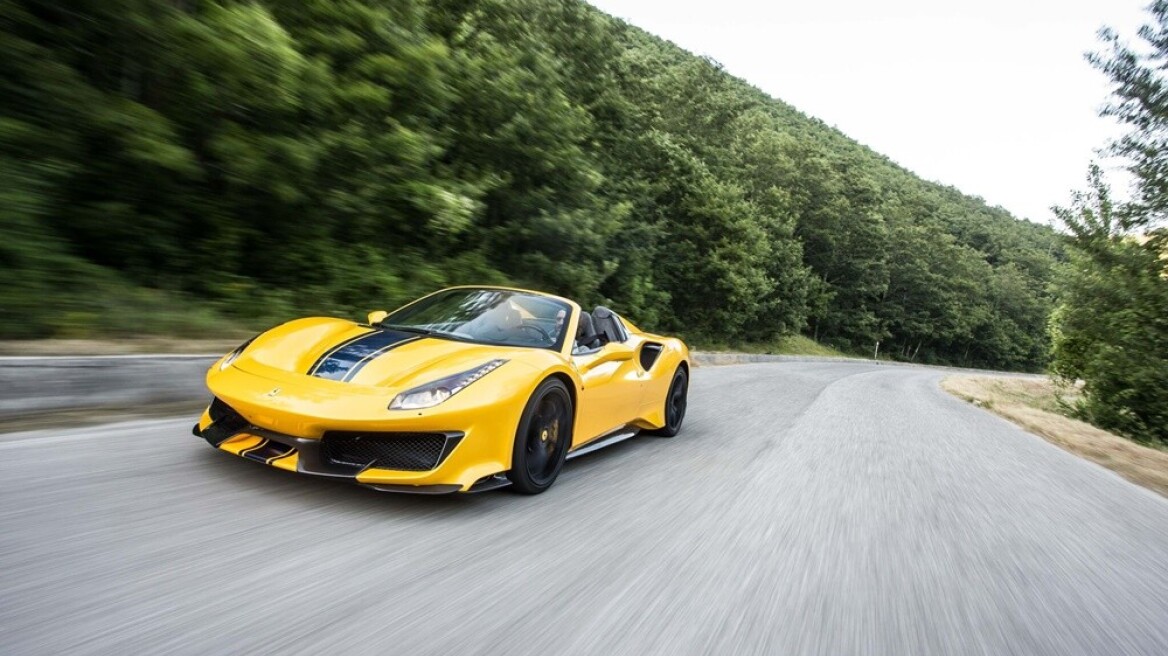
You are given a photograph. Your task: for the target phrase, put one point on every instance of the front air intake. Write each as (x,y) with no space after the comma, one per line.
(225,422)
(399,451)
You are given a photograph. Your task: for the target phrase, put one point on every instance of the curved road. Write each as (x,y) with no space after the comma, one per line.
(820,508)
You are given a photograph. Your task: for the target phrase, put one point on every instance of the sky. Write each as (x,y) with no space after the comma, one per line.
(993,97)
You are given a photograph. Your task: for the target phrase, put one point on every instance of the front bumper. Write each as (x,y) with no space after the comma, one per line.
(227,430)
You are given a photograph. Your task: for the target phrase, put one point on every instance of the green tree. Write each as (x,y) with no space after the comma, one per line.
(259,159)
(1111,327)
(1140,102)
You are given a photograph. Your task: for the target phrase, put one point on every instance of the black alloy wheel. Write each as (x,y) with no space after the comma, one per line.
(543,438)
(676,401)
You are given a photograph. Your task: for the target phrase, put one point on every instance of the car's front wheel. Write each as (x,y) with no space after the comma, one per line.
(543,438)
(676,400)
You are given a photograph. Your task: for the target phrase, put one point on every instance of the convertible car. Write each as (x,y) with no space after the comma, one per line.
(467,389)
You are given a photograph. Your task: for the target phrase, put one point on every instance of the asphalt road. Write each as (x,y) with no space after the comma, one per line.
(821,508)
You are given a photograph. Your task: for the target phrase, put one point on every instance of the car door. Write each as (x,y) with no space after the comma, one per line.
(611,394)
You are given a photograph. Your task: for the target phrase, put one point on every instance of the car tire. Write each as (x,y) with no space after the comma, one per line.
(676,400)
(542,439)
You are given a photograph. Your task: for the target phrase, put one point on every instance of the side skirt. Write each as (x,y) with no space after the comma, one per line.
(500,480)
(620,435)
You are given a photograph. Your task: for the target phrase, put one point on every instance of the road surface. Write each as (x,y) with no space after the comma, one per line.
(806,508)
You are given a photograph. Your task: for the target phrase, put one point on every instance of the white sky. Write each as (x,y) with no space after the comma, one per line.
(992,97)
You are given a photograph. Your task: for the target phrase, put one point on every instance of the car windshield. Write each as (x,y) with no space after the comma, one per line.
(486,316)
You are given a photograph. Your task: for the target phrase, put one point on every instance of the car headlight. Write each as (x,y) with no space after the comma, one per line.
(234,355)
(431,394)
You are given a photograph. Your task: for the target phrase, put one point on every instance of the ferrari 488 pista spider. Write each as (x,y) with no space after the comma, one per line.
(467,389)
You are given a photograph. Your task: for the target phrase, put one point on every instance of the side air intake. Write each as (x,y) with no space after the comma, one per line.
(649,354)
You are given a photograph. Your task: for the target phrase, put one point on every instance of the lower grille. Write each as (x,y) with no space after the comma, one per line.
(400,451)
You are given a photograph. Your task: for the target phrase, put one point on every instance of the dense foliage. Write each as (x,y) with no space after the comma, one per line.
(265,158)
(1111,327)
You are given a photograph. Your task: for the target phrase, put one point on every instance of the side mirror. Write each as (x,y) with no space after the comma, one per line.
(377,316)
(616,352)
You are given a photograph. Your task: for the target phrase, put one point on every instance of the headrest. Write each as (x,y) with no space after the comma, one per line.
(585,327)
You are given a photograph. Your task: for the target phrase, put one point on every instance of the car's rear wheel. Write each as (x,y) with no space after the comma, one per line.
(676,400)
(543,438)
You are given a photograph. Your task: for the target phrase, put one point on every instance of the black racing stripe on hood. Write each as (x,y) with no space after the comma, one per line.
(343,362)
(333,349)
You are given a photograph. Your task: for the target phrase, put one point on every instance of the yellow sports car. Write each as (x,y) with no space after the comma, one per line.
(464,390)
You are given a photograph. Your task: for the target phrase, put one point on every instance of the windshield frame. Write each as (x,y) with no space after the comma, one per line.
(558,346)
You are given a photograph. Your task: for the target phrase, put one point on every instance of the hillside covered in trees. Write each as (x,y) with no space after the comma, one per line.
(187,165)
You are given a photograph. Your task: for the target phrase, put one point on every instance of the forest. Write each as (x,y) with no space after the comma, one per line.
(201,168)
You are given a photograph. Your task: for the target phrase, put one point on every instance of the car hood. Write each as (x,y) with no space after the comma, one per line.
(360,355)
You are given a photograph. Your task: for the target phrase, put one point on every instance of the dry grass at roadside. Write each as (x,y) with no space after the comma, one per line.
(1036,405)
